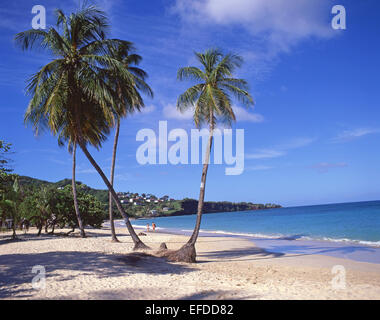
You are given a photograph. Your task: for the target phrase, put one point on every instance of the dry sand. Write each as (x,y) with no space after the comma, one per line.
(227,268)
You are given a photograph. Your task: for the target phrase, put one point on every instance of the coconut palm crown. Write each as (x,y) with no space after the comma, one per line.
(210,99)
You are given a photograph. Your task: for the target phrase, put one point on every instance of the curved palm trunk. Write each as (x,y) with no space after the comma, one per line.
(14,236)
(138,243)
(110,211)
(74,189)
(187,253)
(195,234)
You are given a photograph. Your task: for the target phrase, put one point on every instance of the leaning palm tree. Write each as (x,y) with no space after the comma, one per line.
(132,102)
(71,95)
(210,100)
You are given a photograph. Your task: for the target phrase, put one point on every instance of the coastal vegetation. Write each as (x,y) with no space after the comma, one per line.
(45,206)
(147,205)
(48,206)
(5,150)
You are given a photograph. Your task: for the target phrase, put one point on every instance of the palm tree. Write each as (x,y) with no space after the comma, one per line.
(210,100)
(71,95)
(131,103)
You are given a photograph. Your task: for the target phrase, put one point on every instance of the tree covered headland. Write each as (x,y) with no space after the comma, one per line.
(49,206)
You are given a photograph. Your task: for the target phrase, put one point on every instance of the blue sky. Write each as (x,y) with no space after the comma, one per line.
(311,138)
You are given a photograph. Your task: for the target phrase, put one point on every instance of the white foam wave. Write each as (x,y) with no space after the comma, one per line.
(348,241)
(273,236)
(242,234)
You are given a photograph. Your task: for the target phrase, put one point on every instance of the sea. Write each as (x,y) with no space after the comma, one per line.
(345,230)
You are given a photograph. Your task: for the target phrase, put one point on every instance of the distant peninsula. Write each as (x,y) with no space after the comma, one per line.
(146,205)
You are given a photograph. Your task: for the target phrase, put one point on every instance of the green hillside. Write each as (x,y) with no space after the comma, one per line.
(140,207)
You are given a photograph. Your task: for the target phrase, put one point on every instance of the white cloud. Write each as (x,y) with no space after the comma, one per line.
(123,177)
(86,171)
(324,167)
(144,111)
(280,150)
(148,109)
(296,143)
(170,112)
(349,135)
(105,5)
(282,23)
(243,115)
(265,154)
(258,168)
(61,162)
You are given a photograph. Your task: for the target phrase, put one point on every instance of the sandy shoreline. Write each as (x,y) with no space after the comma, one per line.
(227,268)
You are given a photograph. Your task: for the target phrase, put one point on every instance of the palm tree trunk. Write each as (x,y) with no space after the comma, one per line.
(74,189)
(14,236)
(110,211)
(188,253)
(39,229)
(138,243)
(202,190)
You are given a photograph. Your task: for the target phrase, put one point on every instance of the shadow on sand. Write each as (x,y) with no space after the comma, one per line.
(236,254)
(16,269)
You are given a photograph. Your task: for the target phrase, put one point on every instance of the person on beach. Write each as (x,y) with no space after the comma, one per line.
(147,227)
(153,226)
(25,225)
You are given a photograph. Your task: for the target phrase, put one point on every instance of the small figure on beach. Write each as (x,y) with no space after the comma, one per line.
(153,226)
(25,225)
(147,227)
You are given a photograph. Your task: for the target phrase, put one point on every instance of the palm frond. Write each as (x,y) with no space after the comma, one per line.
(191,73)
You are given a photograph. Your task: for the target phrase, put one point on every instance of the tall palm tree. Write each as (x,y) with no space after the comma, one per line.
(132,102)
(211,103)
(71,95)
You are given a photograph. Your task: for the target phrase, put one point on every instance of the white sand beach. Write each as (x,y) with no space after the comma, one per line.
(227,268)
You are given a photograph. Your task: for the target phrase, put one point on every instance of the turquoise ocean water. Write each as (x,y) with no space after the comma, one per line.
(357,222)
(349,230)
